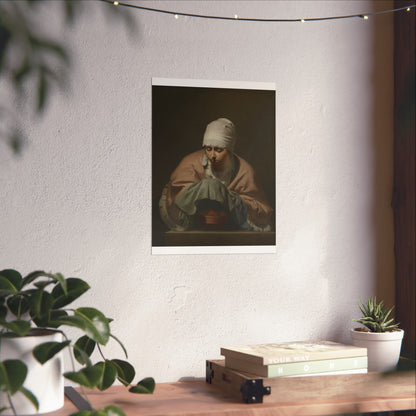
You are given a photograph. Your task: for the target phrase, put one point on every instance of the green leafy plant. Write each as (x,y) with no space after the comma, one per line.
(375,317)
(41,300)
(39,63)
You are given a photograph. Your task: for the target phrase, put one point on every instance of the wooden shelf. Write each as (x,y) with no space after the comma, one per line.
(298,396)
(215,238)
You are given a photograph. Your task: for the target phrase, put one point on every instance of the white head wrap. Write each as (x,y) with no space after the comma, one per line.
(221,133)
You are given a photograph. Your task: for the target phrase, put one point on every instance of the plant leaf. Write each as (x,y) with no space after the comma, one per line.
(30,396)
(98,328)
(125,371)
(43,89)
(62,281)
(52,46)
(55,316)
(54,277)
(18,305)
(12,375)
(6,287)
(40,304)
(20,73)
(70,11)
(145,386)
(110,411)
(45,351)
(13,276)
(83,413)
(75,288)
(105,411)
(3,312)
(375,318)
(18,327)
(88,376)
(389,312)
(108,374)
(94,326)
(83,349)
(83,358)
(44,283)
(31,277)
(75,321)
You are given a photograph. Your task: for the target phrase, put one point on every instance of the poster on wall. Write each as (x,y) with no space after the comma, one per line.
(213,167)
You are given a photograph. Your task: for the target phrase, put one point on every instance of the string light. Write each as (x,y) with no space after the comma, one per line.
(249,19)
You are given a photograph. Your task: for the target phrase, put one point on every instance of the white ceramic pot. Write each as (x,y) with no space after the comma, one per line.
(44,381)
(383,348)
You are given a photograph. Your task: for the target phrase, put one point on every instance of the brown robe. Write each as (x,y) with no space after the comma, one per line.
(244,182)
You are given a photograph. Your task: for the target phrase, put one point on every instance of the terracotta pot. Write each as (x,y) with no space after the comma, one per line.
(44,381)
(383,348)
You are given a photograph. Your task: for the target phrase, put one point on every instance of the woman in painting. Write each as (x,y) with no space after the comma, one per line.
(215,187)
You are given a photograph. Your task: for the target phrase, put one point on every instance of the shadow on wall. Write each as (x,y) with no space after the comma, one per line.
(364,246)
(403,202)
(382,142)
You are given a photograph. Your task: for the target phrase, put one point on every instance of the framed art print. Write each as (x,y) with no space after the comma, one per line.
(213,167)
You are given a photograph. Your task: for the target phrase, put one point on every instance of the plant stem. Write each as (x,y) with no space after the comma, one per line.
(73,369)
(19,310)
(11,404)
(101,353)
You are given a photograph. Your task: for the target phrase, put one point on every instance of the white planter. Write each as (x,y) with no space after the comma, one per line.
(44,381)
(383,348)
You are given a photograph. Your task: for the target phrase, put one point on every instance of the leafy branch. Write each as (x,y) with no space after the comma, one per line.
(31,60)
(39,301)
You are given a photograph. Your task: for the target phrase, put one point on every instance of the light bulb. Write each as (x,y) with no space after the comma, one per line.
(115,3)
(236,16)
(176,16)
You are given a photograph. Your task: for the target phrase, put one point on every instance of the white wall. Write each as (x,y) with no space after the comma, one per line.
(78,200)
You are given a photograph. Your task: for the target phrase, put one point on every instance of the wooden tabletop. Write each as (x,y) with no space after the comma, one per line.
(198,398)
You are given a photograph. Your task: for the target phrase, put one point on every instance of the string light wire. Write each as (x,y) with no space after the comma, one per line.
(176,14)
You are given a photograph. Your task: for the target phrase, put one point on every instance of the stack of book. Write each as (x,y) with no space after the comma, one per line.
(296,359)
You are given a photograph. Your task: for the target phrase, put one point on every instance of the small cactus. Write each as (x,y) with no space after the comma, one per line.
(374,317)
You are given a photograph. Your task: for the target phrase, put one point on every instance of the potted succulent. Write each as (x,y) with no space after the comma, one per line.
(34,310)
(380,335)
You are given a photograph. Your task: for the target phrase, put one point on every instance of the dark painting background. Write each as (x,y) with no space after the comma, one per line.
(179,118)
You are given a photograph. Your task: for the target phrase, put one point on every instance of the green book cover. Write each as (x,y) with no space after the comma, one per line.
(299,368)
